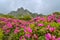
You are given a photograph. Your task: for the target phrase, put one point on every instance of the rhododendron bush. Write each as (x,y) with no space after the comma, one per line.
(39,28)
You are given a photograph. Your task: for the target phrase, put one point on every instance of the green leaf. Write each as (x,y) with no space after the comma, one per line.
(1,34)
(41,38)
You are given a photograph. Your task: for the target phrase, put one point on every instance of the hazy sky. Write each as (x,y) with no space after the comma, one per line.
(39,6)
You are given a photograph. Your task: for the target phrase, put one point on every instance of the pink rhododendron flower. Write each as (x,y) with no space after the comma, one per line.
(52,29)
(48,36)
(16,25)
(43,19)
(4,27)
(35,19)
(40,25)
(16,30)
(58,38)
(7,31)
(22,38)
(58,20)
(19,21)
(53,38)
(28,29)
(22,26)
(25,30)
(9,25)
(48,26)
(49,18)
(28,35)
(35,36)
(15,21)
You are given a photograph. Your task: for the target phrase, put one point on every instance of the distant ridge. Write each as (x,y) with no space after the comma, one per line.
(21,12)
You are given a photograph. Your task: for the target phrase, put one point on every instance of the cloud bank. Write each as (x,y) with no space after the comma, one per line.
(39,6)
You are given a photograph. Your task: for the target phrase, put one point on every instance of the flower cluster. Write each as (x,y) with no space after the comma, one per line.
(39,28)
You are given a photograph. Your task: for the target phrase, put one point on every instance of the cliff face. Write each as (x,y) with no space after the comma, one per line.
(22,12)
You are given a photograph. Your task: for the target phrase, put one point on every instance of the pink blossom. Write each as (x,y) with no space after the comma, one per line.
(49,18)
(15,21)
(58,20)
(43,19)
(35,36)
(53,37)
(7,31)
(16,25)
(58,38)
(28,29)
(22,38)
(4,27)
(28,35)
(25,30)
(40,25)
(52,29)
(48,26)
(16,30)
(9,25)
(22,26)
(48,36)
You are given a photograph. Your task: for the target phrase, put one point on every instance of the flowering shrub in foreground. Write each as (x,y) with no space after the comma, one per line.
(39,28)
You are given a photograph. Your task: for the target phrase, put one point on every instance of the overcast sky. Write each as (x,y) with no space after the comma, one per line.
(39,6)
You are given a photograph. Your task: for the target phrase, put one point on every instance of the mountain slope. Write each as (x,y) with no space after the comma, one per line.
(22,12)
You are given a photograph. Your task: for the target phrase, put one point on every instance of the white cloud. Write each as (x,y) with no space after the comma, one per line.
(40,6)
